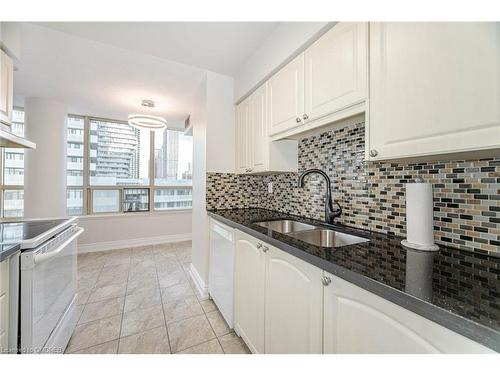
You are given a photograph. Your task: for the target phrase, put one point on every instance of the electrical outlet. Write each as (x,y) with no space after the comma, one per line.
(270,187)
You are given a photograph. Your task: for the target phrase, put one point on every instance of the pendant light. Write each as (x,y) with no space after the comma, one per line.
(147,121)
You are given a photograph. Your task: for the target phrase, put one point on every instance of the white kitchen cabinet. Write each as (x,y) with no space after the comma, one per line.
(294,305)
(258,128)
(434,89)
(243,137)
(286,97)
(336,73)
(359,322)
(326,83)
(249,292)
(6,88)
(300,308)
(4,304)
(275,291)
(255,153)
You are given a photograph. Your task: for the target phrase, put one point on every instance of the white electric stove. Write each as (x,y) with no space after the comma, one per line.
(47,282)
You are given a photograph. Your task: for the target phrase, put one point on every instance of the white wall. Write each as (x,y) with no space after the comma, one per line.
(285,42)
(45,167)
(213,142)
(127,230)
(200,221)
(220,117)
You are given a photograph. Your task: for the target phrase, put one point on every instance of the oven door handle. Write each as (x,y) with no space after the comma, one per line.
(39,258)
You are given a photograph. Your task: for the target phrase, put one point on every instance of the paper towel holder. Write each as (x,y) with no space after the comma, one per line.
(415,246)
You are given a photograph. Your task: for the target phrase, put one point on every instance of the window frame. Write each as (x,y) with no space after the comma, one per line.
(4,187)
(87,189)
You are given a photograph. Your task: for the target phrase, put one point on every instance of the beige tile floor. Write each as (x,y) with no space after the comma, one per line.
(142,300)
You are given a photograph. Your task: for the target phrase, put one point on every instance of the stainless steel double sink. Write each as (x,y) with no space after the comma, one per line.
(312,234)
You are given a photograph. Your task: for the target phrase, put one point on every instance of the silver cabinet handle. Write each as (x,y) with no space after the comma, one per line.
(305,116)
(259,245)
(326,280)
(373,153)
(265,248)
(298,120)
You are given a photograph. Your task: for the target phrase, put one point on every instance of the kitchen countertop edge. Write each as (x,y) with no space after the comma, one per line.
(6,251)
(459,324)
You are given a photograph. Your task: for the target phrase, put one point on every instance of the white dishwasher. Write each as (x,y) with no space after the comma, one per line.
(221,271)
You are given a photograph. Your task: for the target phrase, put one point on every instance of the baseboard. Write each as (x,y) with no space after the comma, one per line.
(198,281)
(121,244)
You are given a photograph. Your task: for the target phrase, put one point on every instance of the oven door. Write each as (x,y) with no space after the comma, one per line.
(48,292)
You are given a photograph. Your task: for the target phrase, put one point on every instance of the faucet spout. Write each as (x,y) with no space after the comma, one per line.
(330,212)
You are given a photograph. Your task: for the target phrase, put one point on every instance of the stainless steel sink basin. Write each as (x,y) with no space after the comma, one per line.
(327,238)
(285,226)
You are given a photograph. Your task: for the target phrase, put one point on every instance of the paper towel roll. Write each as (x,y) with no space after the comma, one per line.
(419,217)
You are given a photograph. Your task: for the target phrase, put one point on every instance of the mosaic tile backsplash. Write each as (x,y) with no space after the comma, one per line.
(372,194)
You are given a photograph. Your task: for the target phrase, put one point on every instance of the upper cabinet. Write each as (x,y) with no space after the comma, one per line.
(286,97)
(255,153)
(336,74)
(6,88)
(325,83)
(434,89)
(243,137)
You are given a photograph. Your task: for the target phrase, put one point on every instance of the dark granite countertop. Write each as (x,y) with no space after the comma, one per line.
(7,250)
(454,288)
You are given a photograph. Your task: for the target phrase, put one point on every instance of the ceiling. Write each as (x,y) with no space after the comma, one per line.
(220,47)
(106,69)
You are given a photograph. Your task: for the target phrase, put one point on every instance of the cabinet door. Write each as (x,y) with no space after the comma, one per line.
(243,136)
(249,292)
(359,322)
(294,304)
(286,97)
(259,150)
(434,88)
(6,88)
(336,72)
(4,304)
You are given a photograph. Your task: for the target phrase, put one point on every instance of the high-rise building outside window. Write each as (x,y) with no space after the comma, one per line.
(173,169)
(12,179)
(110,169)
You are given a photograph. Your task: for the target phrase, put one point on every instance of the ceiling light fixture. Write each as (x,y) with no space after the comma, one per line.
(147,121)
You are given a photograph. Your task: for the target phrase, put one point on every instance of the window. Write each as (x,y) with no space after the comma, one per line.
(74,151)
(113,167)
(119,154)
(166,199)
(74,201)
(12,176)
(135,200)
(173,169)
(105,201)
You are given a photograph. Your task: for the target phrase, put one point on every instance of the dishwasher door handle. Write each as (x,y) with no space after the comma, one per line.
(40,258)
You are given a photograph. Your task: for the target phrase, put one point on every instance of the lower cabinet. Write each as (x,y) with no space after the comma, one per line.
(249,278)
(293,305)
(359,322)
(286,305)
(278,299)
